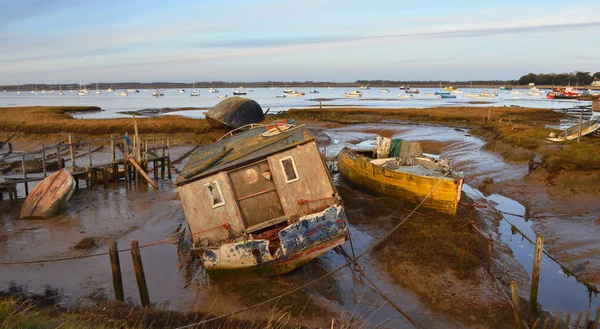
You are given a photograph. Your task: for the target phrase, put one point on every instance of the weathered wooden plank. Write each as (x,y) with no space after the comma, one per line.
(514,290)
(535,279)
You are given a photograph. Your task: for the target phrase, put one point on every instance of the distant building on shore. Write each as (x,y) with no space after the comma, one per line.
(596,83)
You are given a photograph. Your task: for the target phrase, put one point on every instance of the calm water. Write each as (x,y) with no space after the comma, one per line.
(113,104)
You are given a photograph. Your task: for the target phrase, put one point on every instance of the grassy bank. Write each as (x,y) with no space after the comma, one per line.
(56,119)
(459,115)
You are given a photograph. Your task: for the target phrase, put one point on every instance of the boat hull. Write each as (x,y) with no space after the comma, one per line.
(412,188)
(308,238)
(49,197)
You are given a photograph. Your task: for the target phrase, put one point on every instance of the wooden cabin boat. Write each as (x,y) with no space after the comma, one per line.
(405,173)
(234,112)
(261,201)
(49,197)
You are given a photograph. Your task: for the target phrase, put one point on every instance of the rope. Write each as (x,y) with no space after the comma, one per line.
(224,226)
(326,275)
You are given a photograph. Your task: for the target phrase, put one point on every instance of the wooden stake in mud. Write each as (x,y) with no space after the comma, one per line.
(58,159)
(514,291)
(105,177)
(44,160)
(112,149)
(25,175)
(168,158)
(136,256)
(90,152)
(115,173)
(535,279)
(115,265)
(138,154)
(71,153)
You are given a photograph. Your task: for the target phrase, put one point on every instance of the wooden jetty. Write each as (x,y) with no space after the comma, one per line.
(132,166)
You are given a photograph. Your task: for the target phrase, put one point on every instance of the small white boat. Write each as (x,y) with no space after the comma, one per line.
(405,96)
(221,96)
(213,90)
(288,91)
(135,91)
(239,92)
(456,92)
(157,93)
(195,93)
(110,90)
(471,95)
(51,91)
(81,93)
(517,92)
(181,91)
(353,94)
(98,92)
(295,93)
(429,94)
(61,92)
(383,90)
(313,91)
(486,94)
(280,96)
(123,93)
(365,87)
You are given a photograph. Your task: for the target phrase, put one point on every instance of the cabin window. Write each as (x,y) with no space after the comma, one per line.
(215,194)
(289,169)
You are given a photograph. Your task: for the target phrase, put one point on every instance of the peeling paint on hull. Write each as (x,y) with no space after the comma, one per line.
(301,242)
(360,172)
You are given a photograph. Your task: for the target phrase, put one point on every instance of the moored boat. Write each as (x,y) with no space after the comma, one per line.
(313,91)
(405,96)
(405,173)
(239,92)
(49,197)
(447,96)
(261,201)
(353,94)
(294,93)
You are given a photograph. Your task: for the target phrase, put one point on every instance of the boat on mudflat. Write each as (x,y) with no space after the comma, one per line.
(49,197)
(587,127)
(399,169)
(261,201)
(234,112)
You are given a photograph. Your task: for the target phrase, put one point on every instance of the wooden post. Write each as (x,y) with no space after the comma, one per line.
(125,147)
(580,125)
(168,158)
(126,169)
(514,290)
(115,264)
(88,178)
(489,115)
(71,153)
(163,147)
(146,150)
(115,171)
(535,279)
(162,168)
(136,256)
(138,154)
(105,177)
(155,164)
(568,320)
(112,149)
(44,160)
(546,323)
(25,175)
(90,153)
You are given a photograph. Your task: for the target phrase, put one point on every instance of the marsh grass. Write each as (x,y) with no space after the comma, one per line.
(56,119)
(574,156)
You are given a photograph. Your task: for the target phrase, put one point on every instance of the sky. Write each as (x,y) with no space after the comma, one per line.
(51,41)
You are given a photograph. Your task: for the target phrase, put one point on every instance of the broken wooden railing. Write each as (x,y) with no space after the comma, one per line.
(151,150)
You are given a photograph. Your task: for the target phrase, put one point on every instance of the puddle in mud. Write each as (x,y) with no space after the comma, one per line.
(557,291)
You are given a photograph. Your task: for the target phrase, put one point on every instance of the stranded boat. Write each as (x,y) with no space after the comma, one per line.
(49,197)
(234,112)
(400,170)
(261,200)
(587,127)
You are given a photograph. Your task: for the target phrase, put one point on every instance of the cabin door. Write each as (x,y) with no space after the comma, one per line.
(256,194)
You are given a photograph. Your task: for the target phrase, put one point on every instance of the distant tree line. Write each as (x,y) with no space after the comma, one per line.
(577,78)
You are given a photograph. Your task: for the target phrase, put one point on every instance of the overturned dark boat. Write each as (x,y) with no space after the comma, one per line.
(234,112)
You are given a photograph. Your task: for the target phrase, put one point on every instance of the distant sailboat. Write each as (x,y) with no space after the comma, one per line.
(98,92)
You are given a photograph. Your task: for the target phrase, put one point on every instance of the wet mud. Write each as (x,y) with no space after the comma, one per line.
(138,212)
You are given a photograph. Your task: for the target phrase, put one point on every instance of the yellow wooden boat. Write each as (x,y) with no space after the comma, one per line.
(412,183)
